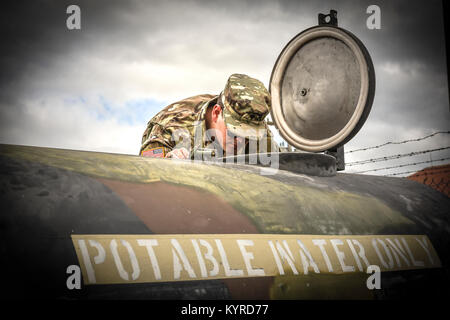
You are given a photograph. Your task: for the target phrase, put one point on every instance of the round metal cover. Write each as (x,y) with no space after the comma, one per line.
(322,88)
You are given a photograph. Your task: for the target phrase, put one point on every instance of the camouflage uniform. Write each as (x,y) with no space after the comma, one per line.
(245,103)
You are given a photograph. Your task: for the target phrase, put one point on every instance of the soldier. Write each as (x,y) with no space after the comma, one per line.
(213,125)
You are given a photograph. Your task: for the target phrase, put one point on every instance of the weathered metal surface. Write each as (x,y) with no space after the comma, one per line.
(170,208)
(46,195)
(314,164)
(339,155)
(322,88)
(284,202)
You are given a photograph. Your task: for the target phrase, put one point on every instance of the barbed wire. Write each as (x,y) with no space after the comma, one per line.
(402,165)
(445,170)
(397,156)
(398,142)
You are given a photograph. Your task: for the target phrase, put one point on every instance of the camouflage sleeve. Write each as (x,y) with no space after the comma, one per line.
(156,137)
(173,126)
(168,138)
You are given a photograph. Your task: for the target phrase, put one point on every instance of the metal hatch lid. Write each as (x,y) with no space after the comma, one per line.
(322,87)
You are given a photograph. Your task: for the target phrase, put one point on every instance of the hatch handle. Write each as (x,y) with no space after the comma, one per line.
(328,19)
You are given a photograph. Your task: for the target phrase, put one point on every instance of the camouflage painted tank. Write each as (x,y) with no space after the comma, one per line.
(160,228)
(85,225)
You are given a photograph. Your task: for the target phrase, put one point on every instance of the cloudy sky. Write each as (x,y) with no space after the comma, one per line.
(96,88)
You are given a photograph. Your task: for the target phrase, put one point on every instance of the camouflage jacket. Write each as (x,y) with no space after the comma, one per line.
(177,125)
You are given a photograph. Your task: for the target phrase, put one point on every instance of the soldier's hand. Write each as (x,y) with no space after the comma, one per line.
(180,153)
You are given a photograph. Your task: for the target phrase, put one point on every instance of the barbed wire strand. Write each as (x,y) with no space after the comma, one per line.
(420,174)
(398,142)
(397,156)
(402,165)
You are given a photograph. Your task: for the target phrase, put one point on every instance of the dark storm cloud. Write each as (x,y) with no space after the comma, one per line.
(410,29)
(34,33)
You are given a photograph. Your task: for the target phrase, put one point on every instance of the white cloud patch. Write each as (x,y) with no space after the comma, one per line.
(74,125)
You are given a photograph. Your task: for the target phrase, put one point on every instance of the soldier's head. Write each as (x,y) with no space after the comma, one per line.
(239,113)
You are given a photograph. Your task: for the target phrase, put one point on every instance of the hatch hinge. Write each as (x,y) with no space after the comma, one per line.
(328,19)
(338,154)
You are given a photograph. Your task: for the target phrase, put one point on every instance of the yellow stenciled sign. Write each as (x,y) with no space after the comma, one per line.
(109,259)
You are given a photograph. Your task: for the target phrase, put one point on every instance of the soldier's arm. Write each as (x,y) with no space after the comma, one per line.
(158,150)
(156,142)
(159,142)
(155,150)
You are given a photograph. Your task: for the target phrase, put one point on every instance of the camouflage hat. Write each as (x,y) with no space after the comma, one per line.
(246,103)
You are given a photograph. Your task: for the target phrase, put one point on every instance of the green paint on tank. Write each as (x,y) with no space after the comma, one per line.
(272,205)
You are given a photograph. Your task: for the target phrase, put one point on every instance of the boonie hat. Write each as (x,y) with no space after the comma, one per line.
(246,103)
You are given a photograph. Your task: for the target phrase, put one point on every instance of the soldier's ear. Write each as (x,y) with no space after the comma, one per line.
(216,112)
